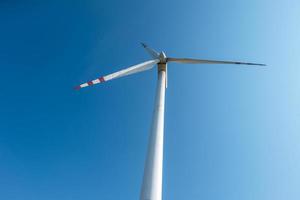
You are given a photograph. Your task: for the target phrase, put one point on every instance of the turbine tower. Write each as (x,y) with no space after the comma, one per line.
(152,180)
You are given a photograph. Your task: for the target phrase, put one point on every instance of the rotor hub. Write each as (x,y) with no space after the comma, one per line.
(162,57)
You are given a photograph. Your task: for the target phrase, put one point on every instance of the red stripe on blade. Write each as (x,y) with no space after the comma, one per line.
(90,83)
(101,79)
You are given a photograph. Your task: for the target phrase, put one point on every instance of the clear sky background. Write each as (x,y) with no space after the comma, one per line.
(231,132)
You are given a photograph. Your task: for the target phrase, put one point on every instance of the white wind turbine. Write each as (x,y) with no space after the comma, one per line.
(152,180)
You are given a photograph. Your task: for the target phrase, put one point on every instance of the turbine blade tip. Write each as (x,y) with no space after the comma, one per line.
(77,87)
(259,64)
(143,44)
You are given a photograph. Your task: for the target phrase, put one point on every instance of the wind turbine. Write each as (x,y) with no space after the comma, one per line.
(152,180)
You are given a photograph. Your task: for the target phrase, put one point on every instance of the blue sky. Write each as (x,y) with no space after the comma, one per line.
(231,132)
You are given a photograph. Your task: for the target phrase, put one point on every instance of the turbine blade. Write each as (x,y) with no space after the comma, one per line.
(125,72)
(152,52)
(200,61)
